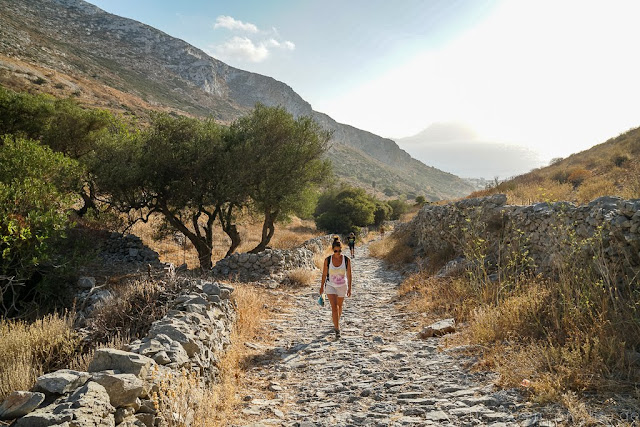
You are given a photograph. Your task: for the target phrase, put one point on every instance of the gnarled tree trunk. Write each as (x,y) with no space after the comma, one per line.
(268,228)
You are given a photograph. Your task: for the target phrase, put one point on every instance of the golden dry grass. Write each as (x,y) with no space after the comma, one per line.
(177,250)
(608,169)
(393,248)
(301,277)
(31,349)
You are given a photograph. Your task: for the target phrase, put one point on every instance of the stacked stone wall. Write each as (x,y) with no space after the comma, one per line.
(245,266)
(128,248)
(609,226)
(118,386)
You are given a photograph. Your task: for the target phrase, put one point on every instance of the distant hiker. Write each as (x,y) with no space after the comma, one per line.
(382,231)
(336,273)
(351,240)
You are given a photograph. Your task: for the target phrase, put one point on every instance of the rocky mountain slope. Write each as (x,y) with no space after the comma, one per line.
(140,65)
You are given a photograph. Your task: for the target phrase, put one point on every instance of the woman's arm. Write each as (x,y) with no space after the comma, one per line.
(324,277)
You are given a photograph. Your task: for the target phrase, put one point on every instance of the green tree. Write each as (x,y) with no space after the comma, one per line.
(382,212)
(36,190)
(345,210)
(282,157)
(178,168)
(24,114)
(62,125)
(398,208)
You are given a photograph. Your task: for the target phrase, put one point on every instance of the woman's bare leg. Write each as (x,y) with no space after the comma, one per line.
(339,302)
(335,314)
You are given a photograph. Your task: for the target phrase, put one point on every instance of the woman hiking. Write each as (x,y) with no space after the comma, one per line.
(337,269)
(351,241)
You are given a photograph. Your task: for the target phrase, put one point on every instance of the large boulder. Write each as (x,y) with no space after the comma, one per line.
(20,403)
(124,362)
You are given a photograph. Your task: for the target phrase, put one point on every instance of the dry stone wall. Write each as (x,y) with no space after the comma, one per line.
(128,248)
(247,266)
(117,388)
(608,227)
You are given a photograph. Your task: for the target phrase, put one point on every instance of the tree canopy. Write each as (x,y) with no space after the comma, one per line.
(282,158)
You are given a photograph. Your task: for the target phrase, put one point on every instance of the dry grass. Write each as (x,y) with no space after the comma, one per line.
(175,249)
(570,334)
(301,277)
(184,401)
(438,297)
(129,314)
(608,169)
(393,249)
(31,349)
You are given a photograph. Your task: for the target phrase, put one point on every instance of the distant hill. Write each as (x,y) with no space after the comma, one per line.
(456,148)
(72,48)
(608,169)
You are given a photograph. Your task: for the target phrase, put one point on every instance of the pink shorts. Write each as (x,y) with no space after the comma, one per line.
(340,291)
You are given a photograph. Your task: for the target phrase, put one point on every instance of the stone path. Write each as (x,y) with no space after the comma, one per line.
(378,374)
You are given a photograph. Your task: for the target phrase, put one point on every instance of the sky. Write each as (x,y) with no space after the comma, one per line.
(548,77)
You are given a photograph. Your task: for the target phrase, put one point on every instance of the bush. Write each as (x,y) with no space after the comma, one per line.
(36,188)
(577,176)
(398,208)
(345,210)
(560,176)
(620,159)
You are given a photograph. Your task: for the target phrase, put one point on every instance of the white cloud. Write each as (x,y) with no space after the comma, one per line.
(233,24)
(287,45)
(242,49)
(255,48)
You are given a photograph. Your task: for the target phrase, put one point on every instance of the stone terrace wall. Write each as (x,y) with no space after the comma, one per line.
(542,228)
(128,248)
(271,261)
(117,388)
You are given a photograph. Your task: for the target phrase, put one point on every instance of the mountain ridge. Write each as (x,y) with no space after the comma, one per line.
(75,37)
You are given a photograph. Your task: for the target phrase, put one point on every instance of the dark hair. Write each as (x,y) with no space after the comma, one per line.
(336,243)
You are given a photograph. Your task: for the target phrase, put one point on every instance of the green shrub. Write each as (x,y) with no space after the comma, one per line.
(36,187)
(345,210)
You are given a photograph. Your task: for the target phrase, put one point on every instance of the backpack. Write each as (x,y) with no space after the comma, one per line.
(328,260)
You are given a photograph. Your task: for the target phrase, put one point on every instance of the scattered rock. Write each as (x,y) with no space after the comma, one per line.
(438,329)
(19,403)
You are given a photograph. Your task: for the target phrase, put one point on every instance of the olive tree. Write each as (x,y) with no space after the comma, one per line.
(176,168)
(282,157)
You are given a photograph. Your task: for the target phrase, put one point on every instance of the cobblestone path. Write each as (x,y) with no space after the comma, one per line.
(378,373)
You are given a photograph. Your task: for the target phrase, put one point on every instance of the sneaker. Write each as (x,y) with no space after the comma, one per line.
(337,333)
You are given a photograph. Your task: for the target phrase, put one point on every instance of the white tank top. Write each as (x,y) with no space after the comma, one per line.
(338,275)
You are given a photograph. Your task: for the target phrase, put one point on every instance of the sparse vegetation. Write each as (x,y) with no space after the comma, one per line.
(394,249)
(573,332)
(31,349)
(608,169)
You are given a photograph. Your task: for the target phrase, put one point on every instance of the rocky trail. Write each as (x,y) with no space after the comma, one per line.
(378,373)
